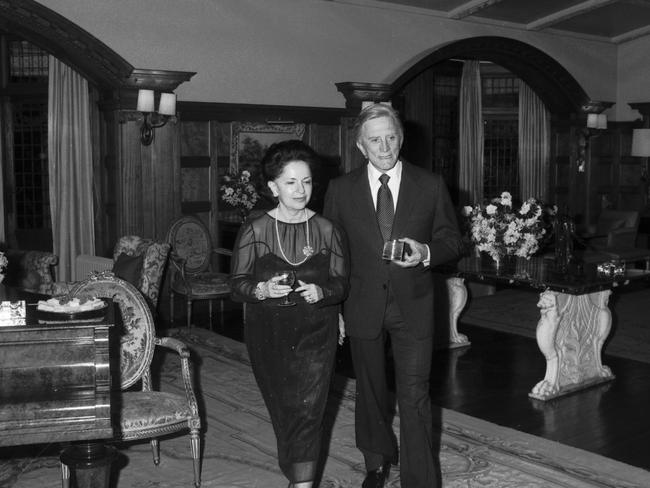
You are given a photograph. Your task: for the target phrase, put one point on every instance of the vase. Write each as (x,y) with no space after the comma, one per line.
(494,260)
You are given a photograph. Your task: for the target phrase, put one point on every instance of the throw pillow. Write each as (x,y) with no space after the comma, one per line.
(128,268)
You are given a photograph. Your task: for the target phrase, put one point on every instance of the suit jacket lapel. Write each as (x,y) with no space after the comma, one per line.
(363,205)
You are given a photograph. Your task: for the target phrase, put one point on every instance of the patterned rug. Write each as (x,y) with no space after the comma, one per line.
(515,310)
(239,446)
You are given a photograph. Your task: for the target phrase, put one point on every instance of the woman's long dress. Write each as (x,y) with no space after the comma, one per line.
(292,348)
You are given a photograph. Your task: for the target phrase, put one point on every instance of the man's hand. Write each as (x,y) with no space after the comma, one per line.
(417,253)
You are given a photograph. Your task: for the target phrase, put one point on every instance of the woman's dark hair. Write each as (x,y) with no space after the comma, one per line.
(281,153)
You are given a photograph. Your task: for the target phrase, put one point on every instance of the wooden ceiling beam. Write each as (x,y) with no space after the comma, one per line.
(470,8)
(567,13)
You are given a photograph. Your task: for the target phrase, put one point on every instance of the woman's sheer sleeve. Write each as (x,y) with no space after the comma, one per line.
(336,289)
(242,280)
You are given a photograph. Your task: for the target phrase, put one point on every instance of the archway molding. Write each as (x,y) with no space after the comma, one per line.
(559,90)
(65,40)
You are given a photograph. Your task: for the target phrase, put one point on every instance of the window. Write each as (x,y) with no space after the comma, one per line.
(445,128)
(500,96)
(24,90)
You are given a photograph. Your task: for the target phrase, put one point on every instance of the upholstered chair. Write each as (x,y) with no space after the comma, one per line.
(143,262)
(31,271)
(139,411)
(614,229)
(140,261)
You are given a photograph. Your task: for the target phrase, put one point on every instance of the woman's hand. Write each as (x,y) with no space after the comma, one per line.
(273,289)
(310,292)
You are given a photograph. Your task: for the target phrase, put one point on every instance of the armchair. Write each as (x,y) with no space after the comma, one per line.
(614,229)
(192,274)
(614,237)
(144,413)
(31,271)
(150,274)
(141,262)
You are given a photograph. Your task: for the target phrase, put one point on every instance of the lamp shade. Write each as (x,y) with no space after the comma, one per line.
(592,121)
(597,121)
(640,143)
(167,104)
(145,101)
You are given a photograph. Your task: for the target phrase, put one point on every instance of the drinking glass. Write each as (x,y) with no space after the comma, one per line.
(287,277)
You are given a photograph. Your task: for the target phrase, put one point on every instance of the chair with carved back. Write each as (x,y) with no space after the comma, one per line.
(192,274)
(140,411)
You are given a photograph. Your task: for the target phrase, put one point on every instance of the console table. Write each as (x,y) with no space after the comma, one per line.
(574,322)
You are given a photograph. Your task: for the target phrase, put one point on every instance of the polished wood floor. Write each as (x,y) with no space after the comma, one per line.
(491,379)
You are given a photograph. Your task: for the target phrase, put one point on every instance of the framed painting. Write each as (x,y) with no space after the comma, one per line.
(250,140)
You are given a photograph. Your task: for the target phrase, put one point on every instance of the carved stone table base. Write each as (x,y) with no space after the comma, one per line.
(457,301)
(570,334)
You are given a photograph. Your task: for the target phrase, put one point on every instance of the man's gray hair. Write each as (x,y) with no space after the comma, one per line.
(375,111)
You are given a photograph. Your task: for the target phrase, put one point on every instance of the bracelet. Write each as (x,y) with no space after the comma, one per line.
(259,291)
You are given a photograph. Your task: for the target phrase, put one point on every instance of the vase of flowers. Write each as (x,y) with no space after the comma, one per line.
(238,190)
(3,264)
(499,229)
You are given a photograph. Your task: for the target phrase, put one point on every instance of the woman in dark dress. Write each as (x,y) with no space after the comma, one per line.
(291,346)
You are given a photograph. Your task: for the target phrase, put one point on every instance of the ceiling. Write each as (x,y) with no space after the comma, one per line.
(614,21)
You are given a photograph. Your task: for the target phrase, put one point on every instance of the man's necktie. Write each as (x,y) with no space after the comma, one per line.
(385,208)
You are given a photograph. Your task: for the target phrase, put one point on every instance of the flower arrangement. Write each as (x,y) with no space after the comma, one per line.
(3,264)
(238,191)
(499,229)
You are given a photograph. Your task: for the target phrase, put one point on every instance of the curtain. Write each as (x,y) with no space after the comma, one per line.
(534,144)
(470,136)
(70,167)
(3,237)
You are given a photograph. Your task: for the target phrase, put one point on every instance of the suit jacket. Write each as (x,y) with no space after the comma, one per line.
(425,213)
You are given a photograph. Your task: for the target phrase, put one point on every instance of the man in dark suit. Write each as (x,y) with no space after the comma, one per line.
(392,298)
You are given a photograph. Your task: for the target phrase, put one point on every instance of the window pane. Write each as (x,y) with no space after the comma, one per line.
(27,63)
(500,171)
(30,165)
(445,129)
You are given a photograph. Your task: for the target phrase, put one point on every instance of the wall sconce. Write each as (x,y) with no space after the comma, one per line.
(595,123)
(152,119)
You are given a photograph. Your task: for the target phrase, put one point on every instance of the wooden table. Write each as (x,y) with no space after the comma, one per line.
(55,381)
(574,322)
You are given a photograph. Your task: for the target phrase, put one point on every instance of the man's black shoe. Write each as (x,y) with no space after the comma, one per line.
(377,477)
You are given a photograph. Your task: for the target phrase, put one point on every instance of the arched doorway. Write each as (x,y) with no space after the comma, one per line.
(550,81)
